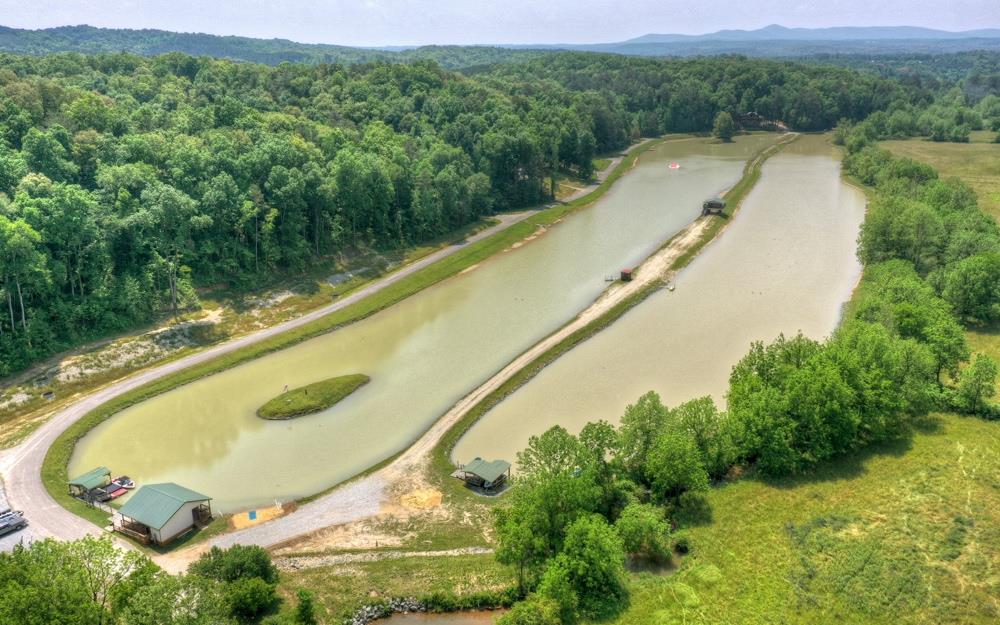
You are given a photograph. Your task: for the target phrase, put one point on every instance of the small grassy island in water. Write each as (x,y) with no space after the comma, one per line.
(311,398)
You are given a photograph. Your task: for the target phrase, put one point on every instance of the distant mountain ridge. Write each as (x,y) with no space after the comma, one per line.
(775,32)
(770,41)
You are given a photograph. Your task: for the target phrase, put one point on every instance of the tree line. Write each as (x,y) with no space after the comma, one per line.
(951,117)
(127,182)
(85,39)
(92,582)
(660,96)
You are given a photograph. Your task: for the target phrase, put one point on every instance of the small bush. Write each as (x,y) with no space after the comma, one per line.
(644,532)
(534,610)
(239,562)
(305,611)
(682,542)
(248,599)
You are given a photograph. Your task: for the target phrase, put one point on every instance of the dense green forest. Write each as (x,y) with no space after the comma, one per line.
(926,70)
(127,181)
(683,96)
(151,42)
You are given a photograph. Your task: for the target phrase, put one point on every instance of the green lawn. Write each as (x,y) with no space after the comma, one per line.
(312,397)
(906,533)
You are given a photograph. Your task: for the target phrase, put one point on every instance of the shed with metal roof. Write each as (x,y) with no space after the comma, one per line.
(488,475)
(159,513)
(713,205)
(82,485)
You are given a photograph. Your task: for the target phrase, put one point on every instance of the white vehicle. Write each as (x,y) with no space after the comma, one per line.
(11,521)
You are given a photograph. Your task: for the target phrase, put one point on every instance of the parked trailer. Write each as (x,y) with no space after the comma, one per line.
(11,521)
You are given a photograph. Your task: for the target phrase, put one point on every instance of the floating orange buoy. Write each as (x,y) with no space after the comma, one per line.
(674,165)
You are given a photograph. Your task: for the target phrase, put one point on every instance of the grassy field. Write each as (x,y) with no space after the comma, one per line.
(312,397)
(341,590)
(908,533)
(977,163)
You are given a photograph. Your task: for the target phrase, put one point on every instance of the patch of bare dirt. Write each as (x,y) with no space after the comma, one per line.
(422,499)
(366,534)
(297,563)
(14,399)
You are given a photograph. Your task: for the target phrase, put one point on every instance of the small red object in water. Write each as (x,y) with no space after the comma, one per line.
(674,165)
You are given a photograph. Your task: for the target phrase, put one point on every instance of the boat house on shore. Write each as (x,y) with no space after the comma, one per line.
(159,513)
(713,206)
(488,476)
(90,485)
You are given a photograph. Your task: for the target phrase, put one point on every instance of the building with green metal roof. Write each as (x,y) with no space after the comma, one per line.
(158,513)
(488,475)
(81,485)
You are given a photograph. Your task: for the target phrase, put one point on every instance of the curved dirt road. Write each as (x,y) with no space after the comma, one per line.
(20,466)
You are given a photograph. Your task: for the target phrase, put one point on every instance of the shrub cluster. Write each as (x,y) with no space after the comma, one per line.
(92,582)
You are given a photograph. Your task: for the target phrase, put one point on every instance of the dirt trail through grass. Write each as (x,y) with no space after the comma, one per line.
(297,563)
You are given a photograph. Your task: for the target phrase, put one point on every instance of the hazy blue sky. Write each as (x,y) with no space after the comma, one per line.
(388,22)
